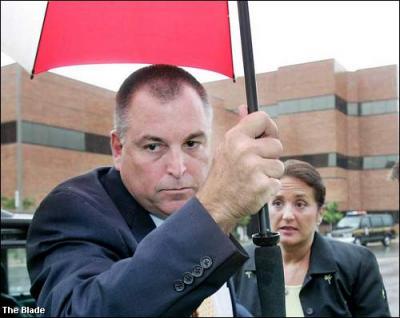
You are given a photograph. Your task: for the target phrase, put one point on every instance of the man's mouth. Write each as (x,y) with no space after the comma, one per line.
(177,190)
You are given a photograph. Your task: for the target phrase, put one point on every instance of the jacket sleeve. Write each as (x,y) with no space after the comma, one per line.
(81,263)
(369,294)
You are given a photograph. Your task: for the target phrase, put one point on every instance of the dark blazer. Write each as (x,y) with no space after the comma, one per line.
(343,280)
(94,251)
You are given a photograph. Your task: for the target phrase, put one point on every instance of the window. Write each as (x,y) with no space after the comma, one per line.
(379,107)
(379,162)
(18,277)
(353,109)
(365,222)
(376,221)
(387,220)
(52,136)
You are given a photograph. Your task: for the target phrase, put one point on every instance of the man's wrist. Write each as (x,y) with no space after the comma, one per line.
(219,214)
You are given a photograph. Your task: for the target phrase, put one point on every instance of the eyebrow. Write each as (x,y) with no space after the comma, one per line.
(149,138)
(296,196)
(198,134)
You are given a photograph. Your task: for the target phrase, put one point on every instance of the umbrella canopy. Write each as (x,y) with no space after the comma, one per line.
(41,35)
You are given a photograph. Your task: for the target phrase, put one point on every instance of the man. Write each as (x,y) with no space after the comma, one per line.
(97,247)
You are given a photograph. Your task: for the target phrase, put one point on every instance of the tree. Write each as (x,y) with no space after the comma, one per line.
(9,203)
(240,229)
(332,215)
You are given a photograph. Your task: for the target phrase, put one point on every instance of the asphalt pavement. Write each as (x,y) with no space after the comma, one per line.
(388,259)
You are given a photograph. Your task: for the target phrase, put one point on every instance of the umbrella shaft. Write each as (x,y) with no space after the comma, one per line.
(263,220)
(247,53)
(251,86)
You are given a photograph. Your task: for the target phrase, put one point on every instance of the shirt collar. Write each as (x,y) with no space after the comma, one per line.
(156,219)
(321,259)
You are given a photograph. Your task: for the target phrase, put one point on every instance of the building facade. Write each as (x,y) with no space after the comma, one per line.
(344,123)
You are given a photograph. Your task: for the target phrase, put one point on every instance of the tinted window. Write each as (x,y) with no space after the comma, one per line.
(35,133)
(387,220)
(349,221)
(376,221)
(365,222)
(18,278)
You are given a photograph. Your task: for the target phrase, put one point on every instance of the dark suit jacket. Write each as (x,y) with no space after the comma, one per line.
(94,251)
(343,280)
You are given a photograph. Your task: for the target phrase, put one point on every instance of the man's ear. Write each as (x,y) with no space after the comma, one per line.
(116,148)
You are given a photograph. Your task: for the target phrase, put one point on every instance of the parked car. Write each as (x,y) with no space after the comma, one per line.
(15,283)
(361,228)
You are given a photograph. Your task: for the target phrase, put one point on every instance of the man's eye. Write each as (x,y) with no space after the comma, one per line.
(152,147)
(277,203)
(192,144)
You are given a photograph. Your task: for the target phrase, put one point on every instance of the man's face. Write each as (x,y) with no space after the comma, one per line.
(294,212)
(164,155)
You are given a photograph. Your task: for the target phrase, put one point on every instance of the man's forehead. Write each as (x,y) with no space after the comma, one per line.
(187,103)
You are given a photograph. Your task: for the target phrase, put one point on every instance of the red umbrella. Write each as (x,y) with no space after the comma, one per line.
(41,35)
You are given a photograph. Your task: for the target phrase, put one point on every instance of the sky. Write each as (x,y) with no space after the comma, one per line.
(357,34)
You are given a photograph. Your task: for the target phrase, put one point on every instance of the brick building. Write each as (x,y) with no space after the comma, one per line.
(344,123)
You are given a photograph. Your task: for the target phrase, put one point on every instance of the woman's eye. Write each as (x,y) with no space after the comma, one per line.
(277,203)
(301,204)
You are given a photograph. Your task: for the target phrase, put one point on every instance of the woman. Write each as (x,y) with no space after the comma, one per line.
(323,278)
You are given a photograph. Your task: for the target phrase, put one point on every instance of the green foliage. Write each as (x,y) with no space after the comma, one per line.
(332,215)
(240,230)
(9,203)
(244,220)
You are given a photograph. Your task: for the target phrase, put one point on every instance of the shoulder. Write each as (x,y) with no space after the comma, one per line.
(78,209)
(347,256)
(84,185)
(347,250)
(85,190)
(76,200)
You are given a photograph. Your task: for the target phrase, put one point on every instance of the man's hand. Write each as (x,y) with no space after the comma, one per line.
(245,170)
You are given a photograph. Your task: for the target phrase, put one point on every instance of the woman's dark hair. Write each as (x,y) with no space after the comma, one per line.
(309,175)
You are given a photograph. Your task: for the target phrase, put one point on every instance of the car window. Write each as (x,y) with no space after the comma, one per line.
(349,221)
(387,220)
(18,277)
(365,222)
(376,221)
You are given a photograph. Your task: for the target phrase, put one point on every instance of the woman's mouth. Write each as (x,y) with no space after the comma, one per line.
(288,230)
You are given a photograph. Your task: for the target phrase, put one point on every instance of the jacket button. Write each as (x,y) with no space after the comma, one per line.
(188,278)
(179,285)
(206,262)
(197,271)
(309,311)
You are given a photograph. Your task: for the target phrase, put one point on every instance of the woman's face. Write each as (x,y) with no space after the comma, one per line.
(294,213)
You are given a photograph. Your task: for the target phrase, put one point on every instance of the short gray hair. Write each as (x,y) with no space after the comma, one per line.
(164,82)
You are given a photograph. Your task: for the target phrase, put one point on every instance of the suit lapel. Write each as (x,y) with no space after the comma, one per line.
(137,218)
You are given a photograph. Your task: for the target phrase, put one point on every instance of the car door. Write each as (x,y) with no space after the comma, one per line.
(365,226)
(376,232)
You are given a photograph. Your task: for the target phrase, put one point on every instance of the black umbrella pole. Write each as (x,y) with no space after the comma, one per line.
(268,256)
(265,237)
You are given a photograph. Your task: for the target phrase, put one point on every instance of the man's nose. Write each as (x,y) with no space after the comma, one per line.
(176,165)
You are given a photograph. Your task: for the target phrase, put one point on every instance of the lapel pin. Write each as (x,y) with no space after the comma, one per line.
(328,278)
